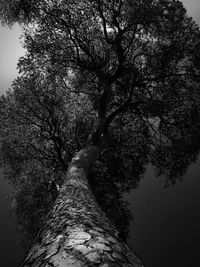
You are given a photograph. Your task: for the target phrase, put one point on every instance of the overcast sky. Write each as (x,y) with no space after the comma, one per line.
(11,49)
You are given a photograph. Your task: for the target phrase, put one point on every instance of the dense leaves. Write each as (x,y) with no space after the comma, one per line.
(35,193)
(130,65)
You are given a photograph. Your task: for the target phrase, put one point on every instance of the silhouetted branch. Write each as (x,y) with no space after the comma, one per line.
(171,76)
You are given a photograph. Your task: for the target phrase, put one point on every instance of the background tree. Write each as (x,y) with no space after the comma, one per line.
(124,73)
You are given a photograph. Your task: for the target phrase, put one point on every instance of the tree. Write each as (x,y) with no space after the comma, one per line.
(127,72)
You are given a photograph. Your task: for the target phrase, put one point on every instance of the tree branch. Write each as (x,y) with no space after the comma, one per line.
(171,76)
(121,109)
(99,124)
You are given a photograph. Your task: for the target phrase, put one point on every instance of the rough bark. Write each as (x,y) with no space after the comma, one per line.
(77,232)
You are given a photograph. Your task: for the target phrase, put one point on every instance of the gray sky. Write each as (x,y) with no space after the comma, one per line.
(11,49)
(193,7)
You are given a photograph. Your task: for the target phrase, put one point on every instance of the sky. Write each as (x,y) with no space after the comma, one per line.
(10,51)
(11,48)
(193,7)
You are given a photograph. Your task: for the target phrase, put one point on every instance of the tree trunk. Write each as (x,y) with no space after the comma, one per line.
(77,232)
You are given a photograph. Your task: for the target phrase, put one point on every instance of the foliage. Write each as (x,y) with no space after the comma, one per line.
(133,64)
(34,195)
(120,168)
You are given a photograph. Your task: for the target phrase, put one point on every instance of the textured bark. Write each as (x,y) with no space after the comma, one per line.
(78,233)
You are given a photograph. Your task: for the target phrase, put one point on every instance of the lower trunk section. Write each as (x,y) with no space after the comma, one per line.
(78,233)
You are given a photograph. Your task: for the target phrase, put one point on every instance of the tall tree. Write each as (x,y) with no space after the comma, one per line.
(126,71)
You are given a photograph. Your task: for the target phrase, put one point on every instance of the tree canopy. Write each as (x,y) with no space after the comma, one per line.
(132,64)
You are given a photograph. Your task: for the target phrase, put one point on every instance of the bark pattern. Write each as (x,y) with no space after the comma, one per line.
(78,233)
